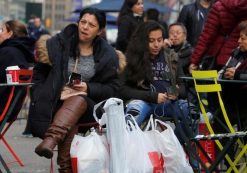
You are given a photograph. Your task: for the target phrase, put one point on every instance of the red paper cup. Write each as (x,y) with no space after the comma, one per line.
(12,76)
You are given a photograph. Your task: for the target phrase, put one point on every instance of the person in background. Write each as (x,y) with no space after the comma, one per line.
(193,16)
(40,52)
(153,14)
(236,68)
(16,49)
(150,79)
(221,32)
(36,29)
(130,15)
(177,41)
(81,69)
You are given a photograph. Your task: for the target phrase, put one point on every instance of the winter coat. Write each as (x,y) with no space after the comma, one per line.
(50,80)
(142,90)
(193,19)
(17,51)
(126,27)
(184,52)
(221,33)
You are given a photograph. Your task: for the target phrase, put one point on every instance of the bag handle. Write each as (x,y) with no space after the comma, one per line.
(102,121)
(150,124)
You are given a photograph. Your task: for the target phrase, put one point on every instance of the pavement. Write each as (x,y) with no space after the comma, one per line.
(24,147)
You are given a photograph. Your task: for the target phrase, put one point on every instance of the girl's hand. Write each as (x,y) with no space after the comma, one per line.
(162,97)
(80,87)
(172,97)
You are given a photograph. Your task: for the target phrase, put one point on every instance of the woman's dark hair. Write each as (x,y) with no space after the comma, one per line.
(18,28)
(243,27)
(126,7)
(138,55)
(100,16)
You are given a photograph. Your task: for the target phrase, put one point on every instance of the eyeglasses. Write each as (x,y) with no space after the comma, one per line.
(176,32)
(1,30)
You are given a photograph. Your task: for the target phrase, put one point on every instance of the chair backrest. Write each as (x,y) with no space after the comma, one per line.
(210,75)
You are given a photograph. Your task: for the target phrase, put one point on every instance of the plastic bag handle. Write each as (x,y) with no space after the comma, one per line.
(94,113)
(150,124)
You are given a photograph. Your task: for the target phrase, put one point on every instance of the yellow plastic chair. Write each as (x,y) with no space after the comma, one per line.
(213,86)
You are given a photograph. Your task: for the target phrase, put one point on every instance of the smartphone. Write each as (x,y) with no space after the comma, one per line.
(74,78)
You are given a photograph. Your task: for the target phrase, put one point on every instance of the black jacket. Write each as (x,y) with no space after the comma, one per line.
(126,27)
(50,80)
(18,51)
(193,19)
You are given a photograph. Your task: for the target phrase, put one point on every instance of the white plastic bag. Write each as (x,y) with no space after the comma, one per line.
(91,154)
(142,155)
(166,141)
(130,150)
(116,135)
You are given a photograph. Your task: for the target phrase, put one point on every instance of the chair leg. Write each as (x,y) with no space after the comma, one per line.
(17,158)
(4,165)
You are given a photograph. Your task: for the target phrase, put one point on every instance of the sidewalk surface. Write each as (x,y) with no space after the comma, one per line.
(24,147)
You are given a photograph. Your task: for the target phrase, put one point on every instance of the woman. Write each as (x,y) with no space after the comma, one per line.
(220,34)
(236,68)
(80,51)
(131,14)
(151,84)
(16,49)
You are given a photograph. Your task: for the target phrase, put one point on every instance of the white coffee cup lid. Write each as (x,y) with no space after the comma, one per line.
(13,68)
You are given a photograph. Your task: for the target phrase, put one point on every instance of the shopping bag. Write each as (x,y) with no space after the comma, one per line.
(142,155)
(167,143)
(90,154)
(116,134)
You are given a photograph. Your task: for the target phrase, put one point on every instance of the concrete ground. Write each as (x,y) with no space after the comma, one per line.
(24,147)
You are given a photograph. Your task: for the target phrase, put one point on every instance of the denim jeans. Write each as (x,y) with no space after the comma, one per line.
(142,110)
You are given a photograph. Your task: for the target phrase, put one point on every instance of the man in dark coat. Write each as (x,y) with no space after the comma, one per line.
(193,16)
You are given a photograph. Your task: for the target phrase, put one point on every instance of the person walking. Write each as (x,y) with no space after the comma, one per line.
(79,71)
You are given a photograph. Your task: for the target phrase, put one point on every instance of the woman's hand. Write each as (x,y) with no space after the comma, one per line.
(229,74)
(80,87)
(162,97)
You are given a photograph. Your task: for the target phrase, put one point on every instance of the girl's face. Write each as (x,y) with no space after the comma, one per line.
(4,34)
(88,28)
(138,8)
(242,42)
(155,42)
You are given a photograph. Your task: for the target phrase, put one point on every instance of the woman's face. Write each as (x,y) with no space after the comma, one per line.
(88,28)
(4,34)
(138,8)
(155,42)
(242,42)
(177,35)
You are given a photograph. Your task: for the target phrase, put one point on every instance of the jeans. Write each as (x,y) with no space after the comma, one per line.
(142,110)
